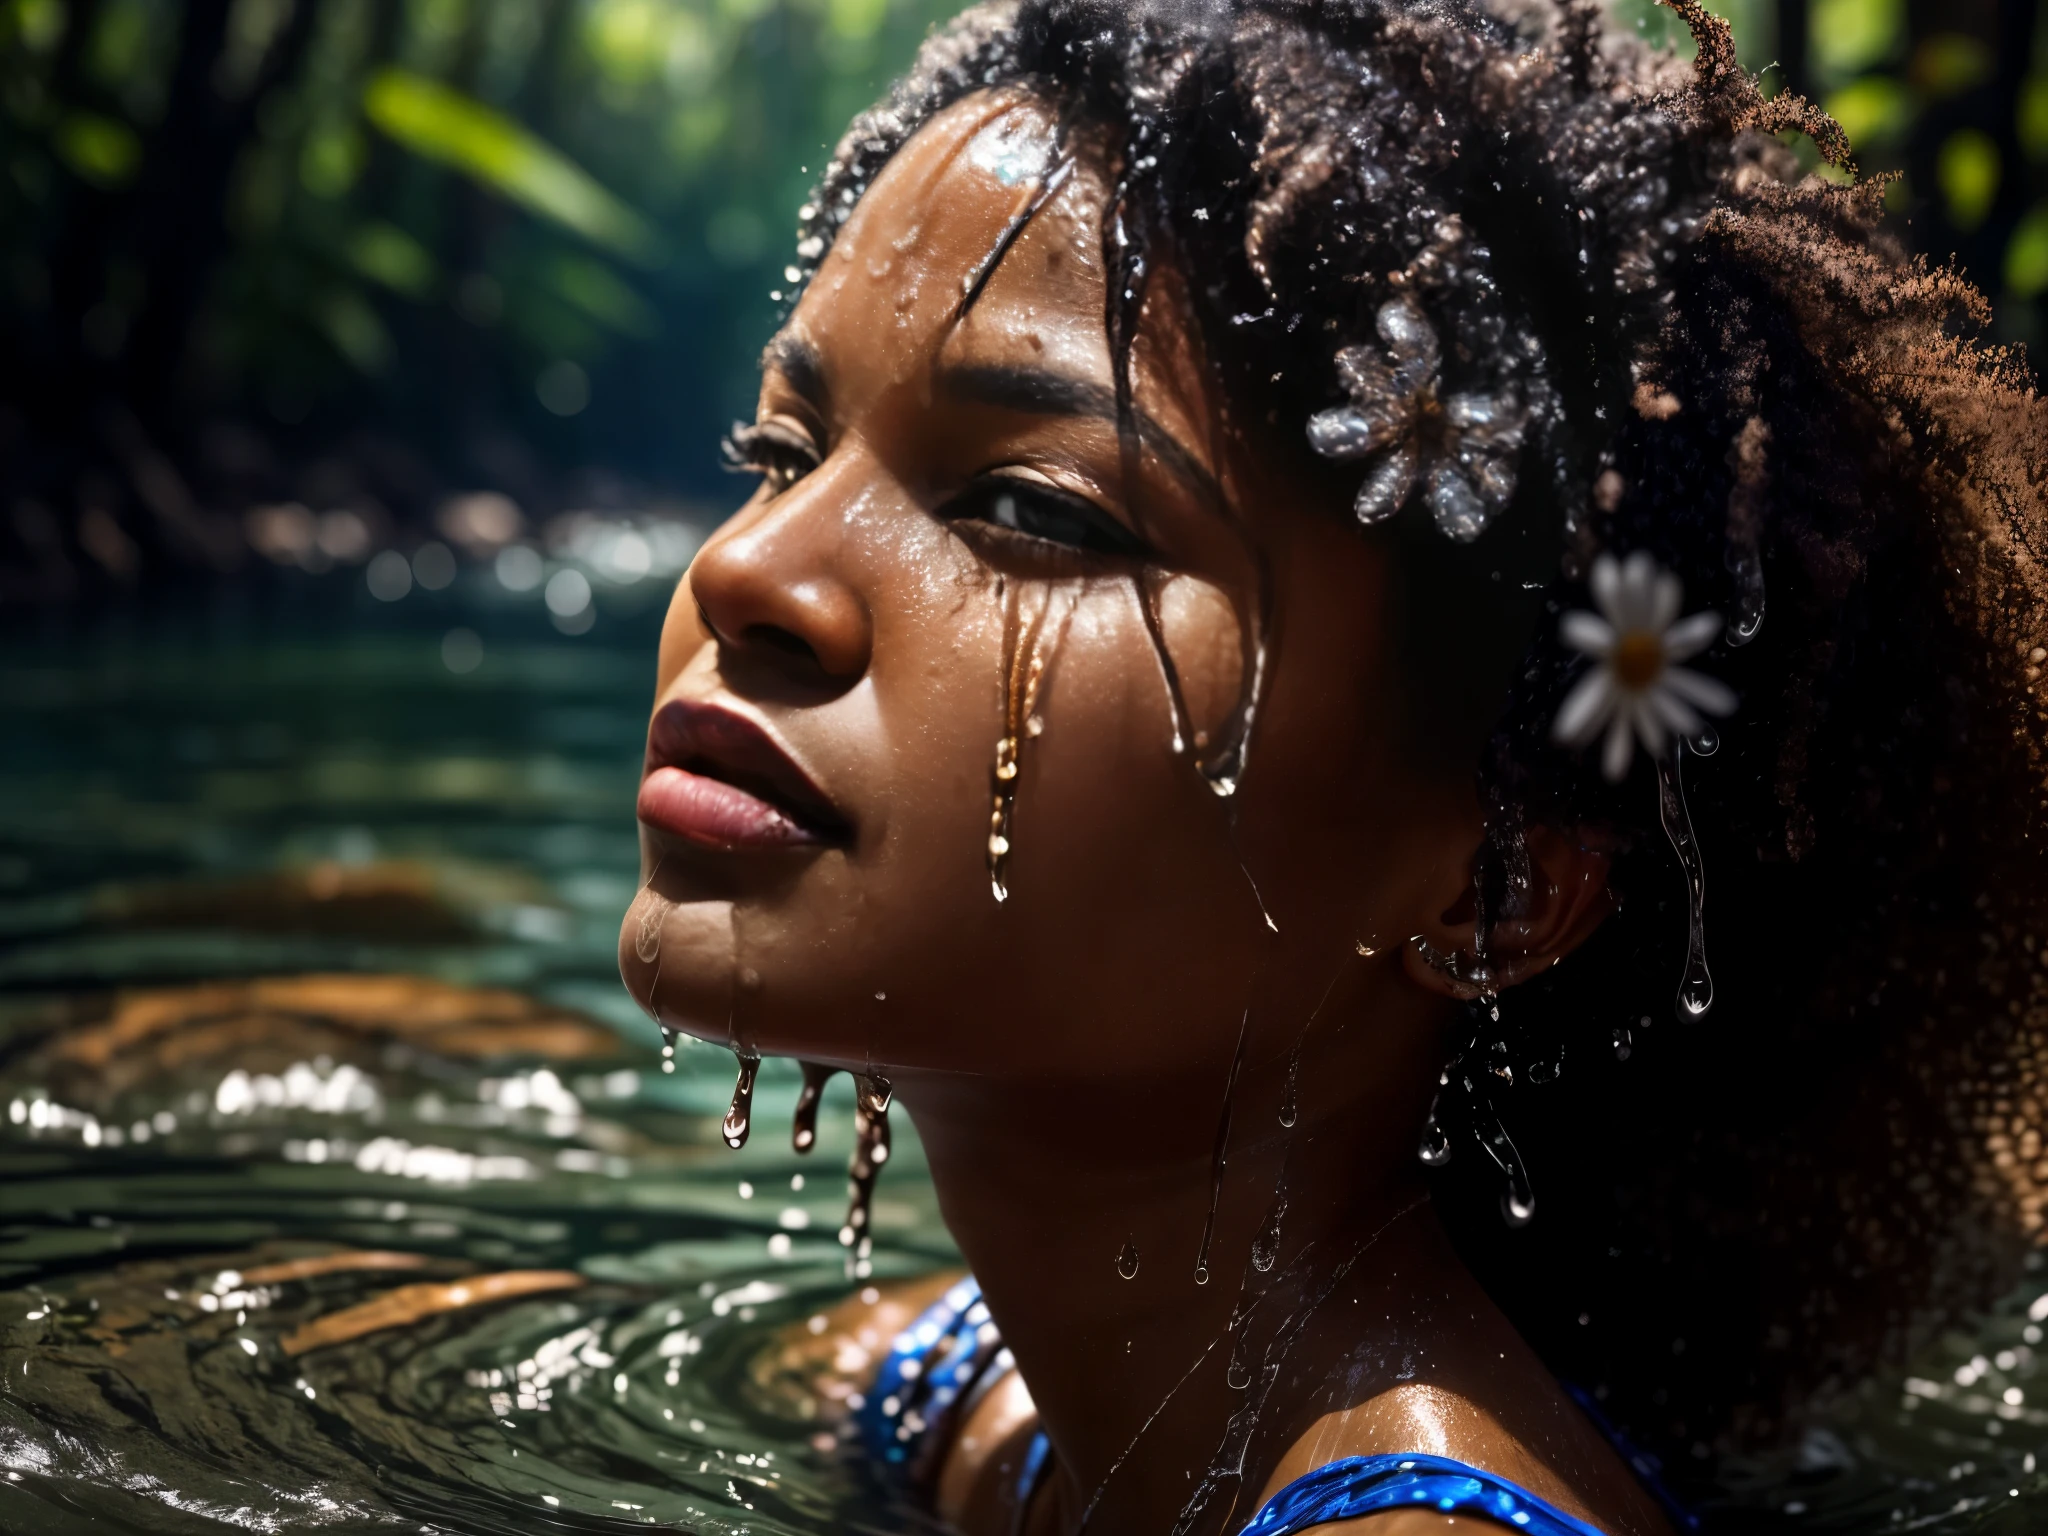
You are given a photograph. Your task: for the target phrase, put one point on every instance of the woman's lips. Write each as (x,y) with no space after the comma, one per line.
(713,813)
(717,779)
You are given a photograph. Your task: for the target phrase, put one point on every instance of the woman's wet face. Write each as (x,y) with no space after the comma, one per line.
(916,670)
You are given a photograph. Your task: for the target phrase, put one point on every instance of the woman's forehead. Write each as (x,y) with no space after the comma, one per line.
(891,297)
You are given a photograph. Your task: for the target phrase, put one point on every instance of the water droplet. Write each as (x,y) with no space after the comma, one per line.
(1238,1377)
(1290,1092)
(1624,1045)
(1127,1261)
(1435,1147)
(871,1096)
(1696,988)
(1266,1246)
(739,1116)
(1221,1156)
(804,1132)
(1706,743)
(1024,663)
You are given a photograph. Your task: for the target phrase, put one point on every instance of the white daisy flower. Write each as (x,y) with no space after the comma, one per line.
(1635,691)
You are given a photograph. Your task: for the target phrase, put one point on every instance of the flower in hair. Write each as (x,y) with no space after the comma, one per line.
(1459,448)
(1636,691)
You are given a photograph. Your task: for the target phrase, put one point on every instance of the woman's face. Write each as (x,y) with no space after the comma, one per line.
(929,628)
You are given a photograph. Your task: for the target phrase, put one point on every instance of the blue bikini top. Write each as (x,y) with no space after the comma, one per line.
(943,1365)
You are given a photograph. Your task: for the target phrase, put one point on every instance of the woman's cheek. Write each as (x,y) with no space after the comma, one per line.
(1205,641)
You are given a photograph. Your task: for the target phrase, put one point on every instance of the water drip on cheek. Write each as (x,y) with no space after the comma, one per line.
(804,1132)
(1024,662)
(1145,590)
(872,1093)
(739,1116)
(1696,989)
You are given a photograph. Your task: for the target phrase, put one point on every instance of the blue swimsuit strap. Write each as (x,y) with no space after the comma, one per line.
(935,1372)
(943,1364)
(1371,1485)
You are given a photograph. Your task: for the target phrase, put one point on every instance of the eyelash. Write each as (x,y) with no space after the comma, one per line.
(775,455)
(1007,506)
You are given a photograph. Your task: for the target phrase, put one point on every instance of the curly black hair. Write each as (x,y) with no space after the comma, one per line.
(1666,338)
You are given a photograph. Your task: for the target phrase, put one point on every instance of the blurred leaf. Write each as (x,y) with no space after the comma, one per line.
(857,19)
(601,294)
(1852,35)
(386,254)
(38,23)
(357,332)
(441,124)
(99,149)
(1949,63)
(1874,110)
(1967,169)
(2033,117)
(331,160)
(2026,258)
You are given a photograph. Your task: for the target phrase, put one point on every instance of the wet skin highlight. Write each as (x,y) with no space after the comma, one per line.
(953,615)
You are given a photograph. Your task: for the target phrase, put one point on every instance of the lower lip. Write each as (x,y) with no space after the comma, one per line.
(713,814)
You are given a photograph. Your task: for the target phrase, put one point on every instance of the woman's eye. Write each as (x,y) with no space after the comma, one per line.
(1041,512)
(778,454)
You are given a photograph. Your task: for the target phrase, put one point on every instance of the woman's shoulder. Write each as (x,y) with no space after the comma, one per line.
(1416,1458)
(915,1375)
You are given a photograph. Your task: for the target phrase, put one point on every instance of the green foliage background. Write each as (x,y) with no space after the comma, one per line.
(375,253)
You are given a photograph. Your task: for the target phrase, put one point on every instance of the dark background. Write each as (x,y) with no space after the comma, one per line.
(294,282)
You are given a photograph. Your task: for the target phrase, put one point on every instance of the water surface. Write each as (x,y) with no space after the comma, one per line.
(340,1186)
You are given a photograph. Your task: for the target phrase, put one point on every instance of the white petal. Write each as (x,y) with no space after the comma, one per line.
(1585,709)
(1709,693)
(1672,710)
(1691,635)
(1586,633)
(1666,598)
(1620,748)
(1649,729)
(1635,594)
(1407,332)
(1460,514)
(1606,585)
(1349,432)
(1386,488)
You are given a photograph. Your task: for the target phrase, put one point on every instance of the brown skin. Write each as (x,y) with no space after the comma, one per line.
(1064,1053)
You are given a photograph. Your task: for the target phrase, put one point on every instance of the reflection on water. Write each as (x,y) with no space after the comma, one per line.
(340,1189)
(339,1186)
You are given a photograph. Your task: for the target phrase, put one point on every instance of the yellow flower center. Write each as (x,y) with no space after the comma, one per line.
(1638,659)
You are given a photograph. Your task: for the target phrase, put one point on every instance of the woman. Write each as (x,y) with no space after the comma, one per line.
(1262,508)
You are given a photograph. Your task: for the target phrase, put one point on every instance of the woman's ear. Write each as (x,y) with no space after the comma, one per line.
(1568,897)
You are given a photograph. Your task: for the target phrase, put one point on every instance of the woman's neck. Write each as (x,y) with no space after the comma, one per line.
(1152,1382)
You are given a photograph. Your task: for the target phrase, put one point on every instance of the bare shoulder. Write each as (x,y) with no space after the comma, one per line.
(1404,1522)
(1550,1450)
(813,1368)
(817,1368)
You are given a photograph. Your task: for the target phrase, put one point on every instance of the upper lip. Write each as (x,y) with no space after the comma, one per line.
(723,744)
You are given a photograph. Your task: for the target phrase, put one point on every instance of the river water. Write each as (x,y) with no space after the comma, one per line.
(341,1188)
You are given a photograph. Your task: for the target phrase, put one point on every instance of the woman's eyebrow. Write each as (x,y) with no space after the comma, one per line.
(801,368)
(1037,392)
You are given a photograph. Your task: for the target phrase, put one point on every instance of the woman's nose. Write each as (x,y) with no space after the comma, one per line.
(774,589)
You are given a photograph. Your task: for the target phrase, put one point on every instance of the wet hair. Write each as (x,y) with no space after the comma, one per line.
(1710,356)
